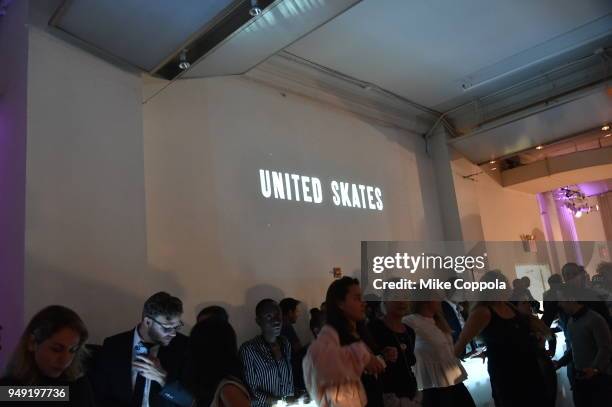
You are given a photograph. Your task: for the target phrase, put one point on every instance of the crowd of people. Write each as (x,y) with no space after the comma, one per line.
(390,352)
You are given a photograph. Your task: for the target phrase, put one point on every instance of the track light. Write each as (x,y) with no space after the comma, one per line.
(255,9)
(183,63)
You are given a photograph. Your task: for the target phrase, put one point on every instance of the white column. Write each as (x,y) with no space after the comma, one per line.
(449,211)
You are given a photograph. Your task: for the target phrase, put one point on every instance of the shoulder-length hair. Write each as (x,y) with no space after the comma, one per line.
(414,307)
(46,323)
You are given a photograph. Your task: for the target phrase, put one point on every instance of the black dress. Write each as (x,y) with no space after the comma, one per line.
(80,392)
(398,377)
(516,377)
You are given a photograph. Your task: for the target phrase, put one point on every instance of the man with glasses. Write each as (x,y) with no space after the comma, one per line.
(133,367)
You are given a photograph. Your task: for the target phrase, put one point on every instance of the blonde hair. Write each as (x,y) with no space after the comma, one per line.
(414,307)
(47,322)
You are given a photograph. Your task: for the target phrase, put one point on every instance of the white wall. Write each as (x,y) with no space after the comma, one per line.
(492,213)
(85,227)
(13,132)
(589,227)
(208,225)
(503,214)
(96,242)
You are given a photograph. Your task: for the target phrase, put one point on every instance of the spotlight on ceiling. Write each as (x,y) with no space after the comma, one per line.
(255,9)
(492,162)
(183,63)
(539,147)
(605,127)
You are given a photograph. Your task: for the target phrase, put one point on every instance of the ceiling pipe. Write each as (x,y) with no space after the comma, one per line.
(529,110)
(357,82)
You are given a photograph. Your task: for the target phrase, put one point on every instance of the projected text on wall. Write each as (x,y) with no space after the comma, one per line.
(301,188)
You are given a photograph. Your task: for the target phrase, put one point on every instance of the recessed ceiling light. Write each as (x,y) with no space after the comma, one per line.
(539,147)
(492,162)
(605,127)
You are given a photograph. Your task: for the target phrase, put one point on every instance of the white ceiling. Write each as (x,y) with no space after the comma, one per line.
(425,49)
(544,127)
(417,52)
(593,181)
(142,33)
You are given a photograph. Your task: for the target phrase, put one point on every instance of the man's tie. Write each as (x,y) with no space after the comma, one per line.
(141,349)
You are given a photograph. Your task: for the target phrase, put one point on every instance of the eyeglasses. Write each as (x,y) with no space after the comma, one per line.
(167,329)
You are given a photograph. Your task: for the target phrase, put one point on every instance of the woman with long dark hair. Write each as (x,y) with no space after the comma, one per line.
(540,334)
(50,353)
(516,377)
(337,359)
(216,379)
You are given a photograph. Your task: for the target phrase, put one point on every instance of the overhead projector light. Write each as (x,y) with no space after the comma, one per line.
(255,9)
(183,62)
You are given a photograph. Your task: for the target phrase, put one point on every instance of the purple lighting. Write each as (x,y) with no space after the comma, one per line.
(3,6)
(595,187)
(13,132)
(574,200)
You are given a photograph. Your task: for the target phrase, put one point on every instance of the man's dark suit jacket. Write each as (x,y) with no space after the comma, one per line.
(112,374)
(452,320)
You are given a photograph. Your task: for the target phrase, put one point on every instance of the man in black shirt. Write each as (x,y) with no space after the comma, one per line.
(289,310)
(576,276)
(551,302)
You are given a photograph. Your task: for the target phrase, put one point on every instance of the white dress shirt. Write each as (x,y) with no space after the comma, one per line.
(153,352)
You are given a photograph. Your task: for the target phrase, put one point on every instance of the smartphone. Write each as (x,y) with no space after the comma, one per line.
(141,350)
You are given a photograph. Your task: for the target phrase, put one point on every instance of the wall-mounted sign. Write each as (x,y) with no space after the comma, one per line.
(301,188)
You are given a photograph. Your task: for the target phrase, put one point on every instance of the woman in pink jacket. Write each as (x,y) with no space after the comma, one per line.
(339,356)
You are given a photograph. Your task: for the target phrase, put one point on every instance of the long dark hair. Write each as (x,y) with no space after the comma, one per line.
(214,357)
(336,293)
(46,323)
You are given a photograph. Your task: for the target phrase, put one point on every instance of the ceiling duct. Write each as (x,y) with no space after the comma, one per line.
(545,56)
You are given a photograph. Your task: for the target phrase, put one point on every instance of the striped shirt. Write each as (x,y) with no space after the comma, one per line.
(265,376)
